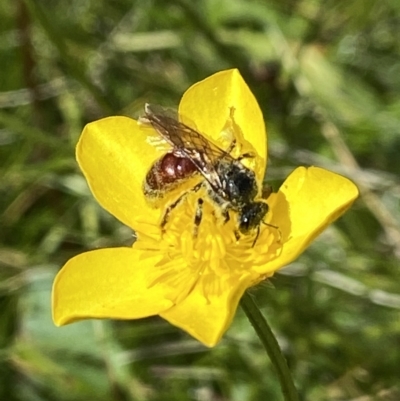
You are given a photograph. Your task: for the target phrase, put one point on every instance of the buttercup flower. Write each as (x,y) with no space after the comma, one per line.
(193,281)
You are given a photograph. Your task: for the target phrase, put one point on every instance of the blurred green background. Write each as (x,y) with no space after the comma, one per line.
(326,74)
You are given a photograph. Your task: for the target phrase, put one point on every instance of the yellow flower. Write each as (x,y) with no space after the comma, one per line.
(194,282)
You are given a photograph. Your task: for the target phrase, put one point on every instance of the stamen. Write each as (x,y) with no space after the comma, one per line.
(213,253)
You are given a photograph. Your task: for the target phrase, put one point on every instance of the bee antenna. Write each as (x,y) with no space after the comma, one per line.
(256,238)
(270,225)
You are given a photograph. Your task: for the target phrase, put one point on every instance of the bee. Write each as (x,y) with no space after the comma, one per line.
(229,183)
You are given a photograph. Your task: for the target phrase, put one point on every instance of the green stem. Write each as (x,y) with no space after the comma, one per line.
(270,344)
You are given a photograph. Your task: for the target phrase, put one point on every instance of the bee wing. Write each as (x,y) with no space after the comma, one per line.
(187,142)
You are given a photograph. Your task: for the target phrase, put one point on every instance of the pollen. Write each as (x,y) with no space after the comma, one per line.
(213,249)
(206,242)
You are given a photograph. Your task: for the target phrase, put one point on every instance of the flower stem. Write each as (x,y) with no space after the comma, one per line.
(270,344)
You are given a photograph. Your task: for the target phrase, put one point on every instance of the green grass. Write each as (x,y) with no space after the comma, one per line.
(326,74)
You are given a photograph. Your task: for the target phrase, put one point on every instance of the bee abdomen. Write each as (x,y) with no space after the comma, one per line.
(167,173)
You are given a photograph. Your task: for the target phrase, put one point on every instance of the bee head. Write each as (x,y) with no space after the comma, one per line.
(251,215)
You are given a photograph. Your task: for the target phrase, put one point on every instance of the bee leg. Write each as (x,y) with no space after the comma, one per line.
(225,215)
(231,146)
(237,235)
(257,235)
(248,155)
(170,208)
(173,205)
(198,216)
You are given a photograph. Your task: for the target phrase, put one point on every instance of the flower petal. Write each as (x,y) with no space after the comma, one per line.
(308,201)
(115,156)
(108,283)
(208,317)
(208,104)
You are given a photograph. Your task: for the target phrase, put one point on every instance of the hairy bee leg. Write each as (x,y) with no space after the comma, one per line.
(198,217)
(173,205)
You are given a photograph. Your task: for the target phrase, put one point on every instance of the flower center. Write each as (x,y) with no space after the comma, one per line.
(211,244)
(201,249)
